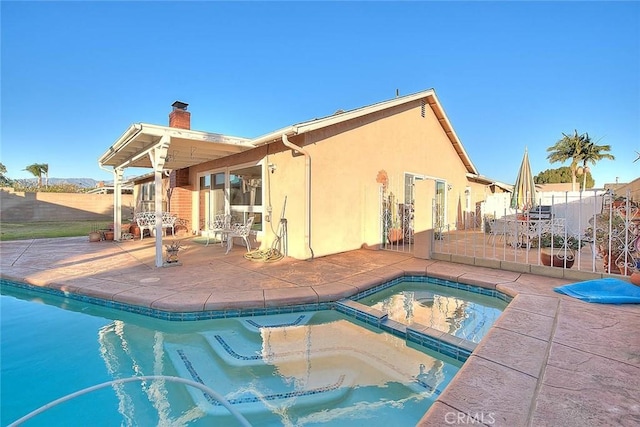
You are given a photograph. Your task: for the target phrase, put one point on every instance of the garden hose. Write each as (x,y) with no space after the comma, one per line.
(266,255)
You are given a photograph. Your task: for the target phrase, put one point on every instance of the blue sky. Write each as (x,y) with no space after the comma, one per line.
(509,75)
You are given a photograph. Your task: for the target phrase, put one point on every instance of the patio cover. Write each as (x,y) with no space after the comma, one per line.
(162,149)
(185,147)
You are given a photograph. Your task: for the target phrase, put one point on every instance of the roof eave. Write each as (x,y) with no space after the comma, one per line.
(434,103)
(451,134)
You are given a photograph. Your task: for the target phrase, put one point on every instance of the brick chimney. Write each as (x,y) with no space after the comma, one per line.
(179,116)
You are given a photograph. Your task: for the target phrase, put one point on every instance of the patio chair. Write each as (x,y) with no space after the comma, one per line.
(240,230)
(496,229)
(147,221)
(220,226)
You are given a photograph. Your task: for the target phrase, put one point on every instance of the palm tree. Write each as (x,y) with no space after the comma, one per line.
(592,153)
(45,169)
(3,179)
(569,147)
(37,169)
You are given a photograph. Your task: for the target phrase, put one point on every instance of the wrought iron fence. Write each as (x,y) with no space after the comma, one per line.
(396,216)
(595,231)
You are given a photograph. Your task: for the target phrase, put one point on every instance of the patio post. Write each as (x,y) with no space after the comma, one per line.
(158,156)
(117,203)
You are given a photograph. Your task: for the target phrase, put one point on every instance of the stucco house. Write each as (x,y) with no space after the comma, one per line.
(330,178)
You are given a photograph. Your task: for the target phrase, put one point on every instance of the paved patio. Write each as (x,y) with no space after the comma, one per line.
(549,360)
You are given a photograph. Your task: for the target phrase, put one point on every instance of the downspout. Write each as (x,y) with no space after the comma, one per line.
(307,192)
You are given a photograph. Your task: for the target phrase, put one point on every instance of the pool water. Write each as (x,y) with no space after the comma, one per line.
(464,314)
(302,369)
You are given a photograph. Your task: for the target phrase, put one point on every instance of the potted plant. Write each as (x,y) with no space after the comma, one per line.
(94,234)
(172,251)
(108,233)
(609,234)
(392,223)
(557,250)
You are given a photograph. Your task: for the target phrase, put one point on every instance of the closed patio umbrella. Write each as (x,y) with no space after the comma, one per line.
(524,190)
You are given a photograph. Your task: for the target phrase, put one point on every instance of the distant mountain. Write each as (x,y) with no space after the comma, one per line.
(80,182)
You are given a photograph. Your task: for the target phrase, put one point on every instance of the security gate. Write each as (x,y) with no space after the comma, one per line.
(397,206)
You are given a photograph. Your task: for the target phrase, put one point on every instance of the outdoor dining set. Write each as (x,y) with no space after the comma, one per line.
(523,231)
(223,226)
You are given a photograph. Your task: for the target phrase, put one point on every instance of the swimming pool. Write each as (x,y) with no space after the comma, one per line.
(302,368)
(463,311)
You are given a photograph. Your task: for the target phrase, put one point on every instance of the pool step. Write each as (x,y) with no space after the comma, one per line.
(320,387)
(276,362)
(256,324)
(447,344)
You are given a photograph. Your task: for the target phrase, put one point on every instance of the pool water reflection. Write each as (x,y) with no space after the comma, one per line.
(304,368)
(463,314)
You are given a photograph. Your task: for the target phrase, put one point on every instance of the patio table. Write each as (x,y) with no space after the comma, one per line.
(520,232)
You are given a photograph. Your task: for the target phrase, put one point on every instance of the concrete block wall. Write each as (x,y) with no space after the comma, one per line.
(35,207)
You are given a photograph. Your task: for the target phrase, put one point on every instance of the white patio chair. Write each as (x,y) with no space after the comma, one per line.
(240,230)
(147,221)
(496,229)
(220,226)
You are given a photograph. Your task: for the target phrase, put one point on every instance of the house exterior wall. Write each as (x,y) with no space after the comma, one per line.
(345,161)
(181,206)
(631,189)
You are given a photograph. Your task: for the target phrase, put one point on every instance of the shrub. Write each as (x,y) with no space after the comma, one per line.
(547,240)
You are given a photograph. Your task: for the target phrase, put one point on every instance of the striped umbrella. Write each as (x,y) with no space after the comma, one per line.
(524,190)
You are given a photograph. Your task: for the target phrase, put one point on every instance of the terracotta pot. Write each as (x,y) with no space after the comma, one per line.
(395,235)
(635,279)
(109,235)
(615,268)
(557,258)
(135,230)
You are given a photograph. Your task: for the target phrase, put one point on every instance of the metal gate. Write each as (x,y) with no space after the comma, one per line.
(397,206)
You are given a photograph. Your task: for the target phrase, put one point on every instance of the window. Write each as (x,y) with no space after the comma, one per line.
(241,196)
(245,194)
(147,197)
(205,182)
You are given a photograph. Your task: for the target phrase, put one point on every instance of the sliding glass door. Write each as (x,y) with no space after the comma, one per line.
(236,191)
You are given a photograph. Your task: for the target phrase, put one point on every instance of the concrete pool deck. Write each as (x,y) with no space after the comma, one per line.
(549,360)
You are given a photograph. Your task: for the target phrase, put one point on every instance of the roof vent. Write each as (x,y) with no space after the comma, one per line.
(179,105)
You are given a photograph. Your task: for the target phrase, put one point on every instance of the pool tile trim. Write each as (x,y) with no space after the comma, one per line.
(490,292)
(169,315)
(448,345)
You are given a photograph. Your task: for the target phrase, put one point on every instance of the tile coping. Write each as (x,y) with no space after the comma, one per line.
(456,348)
